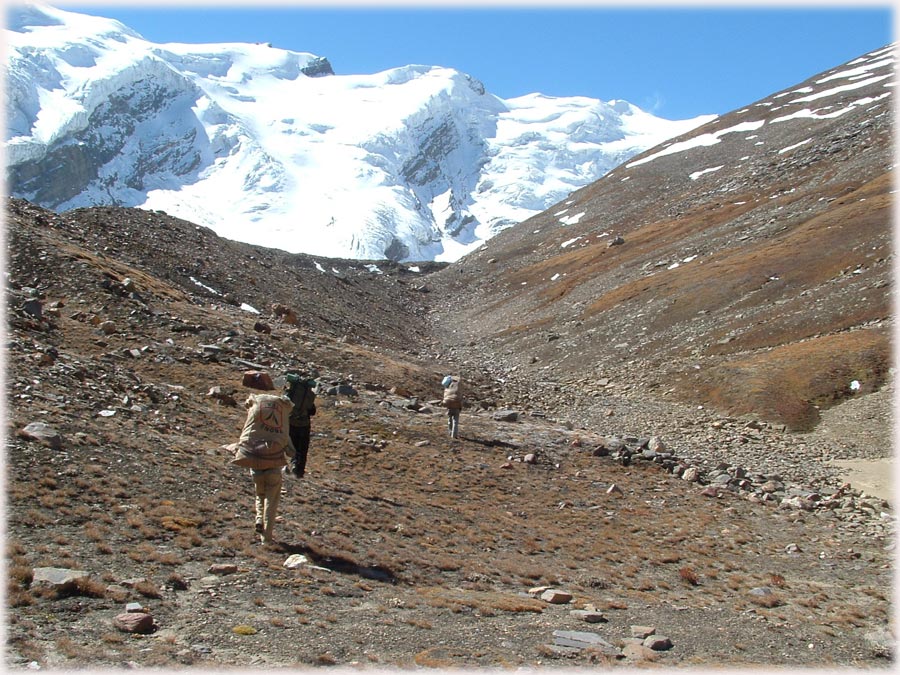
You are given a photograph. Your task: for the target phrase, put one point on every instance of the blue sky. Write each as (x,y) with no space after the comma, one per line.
(676,62)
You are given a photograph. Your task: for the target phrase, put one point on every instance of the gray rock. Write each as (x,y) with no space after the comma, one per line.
(691,474)
(656,445)
(638,652)
(556,597)
(583,640)
(43,433)
(342,390)
(588,616)
(658,643)
(222,568)
(33,308)
(57,577)
(771,486)
(642,632)
(134,622)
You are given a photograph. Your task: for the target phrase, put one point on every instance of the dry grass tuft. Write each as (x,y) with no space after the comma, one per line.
(769,600)
(90,588)
(485,603)
(326,659)
(689,576)
(148,589)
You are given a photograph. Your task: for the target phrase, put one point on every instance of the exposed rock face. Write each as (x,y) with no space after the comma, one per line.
(317,67)
(126,124)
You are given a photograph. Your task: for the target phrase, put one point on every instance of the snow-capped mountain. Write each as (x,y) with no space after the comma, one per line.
(269,146)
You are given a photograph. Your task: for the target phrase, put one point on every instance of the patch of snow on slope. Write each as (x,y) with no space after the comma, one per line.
(697,174)
(698,141)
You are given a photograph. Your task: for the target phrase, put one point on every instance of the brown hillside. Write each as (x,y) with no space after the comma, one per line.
(419,552)
(788,240)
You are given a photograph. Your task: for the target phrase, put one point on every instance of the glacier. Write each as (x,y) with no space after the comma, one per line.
(269,146)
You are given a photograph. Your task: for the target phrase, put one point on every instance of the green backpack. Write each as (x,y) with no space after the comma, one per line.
(302,395)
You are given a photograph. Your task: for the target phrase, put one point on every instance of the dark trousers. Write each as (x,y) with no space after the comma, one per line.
(300,439)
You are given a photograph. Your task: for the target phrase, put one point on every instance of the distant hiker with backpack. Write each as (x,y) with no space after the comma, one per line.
(453,402)
(301,391)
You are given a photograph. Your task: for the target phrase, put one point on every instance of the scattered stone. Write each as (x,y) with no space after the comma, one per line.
(658,643)
(638,652)
(691,474)
(584,640)
(656,445)
(798,502)
(258,380)
(58,578)
(43,433)
(505,416)
(33,308)
(556,597)
(286,314)
(222,569)
(342,389)
(295,561)
(588,616)
(642,632)
(222,396)
(134,622)
(771,486)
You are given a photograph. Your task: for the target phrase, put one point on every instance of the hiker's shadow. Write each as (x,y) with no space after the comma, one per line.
(489,442)
(340,564)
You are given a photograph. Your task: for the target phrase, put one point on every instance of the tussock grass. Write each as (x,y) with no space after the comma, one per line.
(689,576)
(769,600)
(485,602)
(71,649)
(148,589)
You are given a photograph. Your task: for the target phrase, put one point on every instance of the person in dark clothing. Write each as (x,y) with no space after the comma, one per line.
(301,391)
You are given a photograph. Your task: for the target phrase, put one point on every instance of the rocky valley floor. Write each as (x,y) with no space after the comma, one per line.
(605,528)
